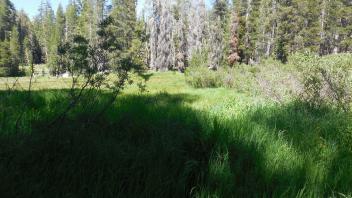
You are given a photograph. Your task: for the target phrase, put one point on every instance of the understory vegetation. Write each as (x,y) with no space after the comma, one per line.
(308,77)
(181,143)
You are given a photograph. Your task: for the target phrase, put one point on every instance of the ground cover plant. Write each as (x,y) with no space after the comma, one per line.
(183,143)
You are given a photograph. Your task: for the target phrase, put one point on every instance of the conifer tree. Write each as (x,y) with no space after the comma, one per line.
(60,24)
(71,15)
(9,39)
(15,51)
(267,28)
(7,18)
(121,33)
(86,21)
(24,28)
(5,58)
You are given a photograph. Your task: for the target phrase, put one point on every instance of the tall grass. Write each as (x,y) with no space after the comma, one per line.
(155,145)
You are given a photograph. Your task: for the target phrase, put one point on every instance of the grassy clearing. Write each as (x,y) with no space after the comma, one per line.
(174,141)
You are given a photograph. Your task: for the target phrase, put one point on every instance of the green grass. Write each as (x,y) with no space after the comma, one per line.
(173,141)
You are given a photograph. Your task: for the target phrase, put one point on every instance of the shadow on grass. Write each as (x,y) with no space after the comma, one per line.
(143,146)
(322,136)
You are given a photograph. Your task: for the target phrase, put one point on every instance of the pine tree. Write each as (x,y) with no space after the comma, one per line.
(7,18)
(99,13)
(5,58)
(71,15)
(9,39)
(15,51)
(44,27)
(286,33)
(267,28)
(344,26)
(24,26)
(124,22)
(60,24)
(221,10)
(307,19)
(120,34)
(219,33)
(86,21)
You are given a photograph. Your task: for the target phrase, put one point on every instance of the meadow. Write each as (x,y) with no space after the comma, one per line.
(170,141)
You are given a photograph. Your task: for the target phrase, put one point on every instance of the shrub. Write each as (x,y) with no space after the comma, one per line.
(326,80)
(315,80)
(199,59)
(3,71)
(202,77)
(277,82)
(268,80)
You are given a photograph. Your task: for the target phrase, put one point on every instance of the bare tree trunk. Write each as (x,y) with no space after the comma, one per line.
(322,27)
(273,29)
(248,13)
(336,47)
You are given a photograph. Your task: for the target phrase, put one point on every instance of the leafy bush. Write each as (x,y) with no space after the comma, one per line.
(326,80)
(271,79)
(277,82)
(202,77)
(3,71)
(239,78)
(316,80)
(199,76)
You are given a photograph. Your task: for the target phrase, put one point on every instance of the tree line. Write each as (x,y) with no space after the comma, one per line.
(168,35)
(45,38)
(246,31)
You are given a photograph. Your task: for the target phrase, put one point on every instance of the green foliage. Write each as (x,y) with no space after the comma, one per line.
(326,80)
(7,18)
(163,147)
(270,79)
(15,51)
(78,54)
(317,80)
(200,59)
(71,17)
(75,56)
(9,55)
(4,72)
(5,58)
(202,77)
(9,40)
(123,44)
(281,51)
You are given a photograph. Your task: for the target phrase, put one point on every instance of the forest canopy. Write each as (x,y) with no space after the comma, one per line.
(168,34)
